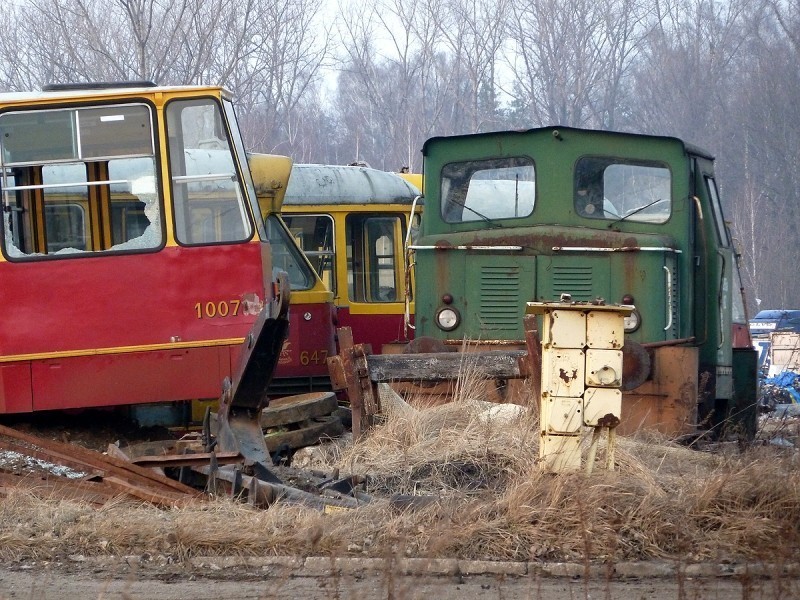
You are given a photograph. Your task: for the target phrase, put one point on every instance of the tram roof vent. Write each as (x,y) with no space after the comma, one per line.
(96,85)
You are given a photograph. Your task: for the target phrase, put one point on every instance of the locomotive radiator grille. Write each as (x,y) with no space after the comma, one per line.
(573,279)
(500,297)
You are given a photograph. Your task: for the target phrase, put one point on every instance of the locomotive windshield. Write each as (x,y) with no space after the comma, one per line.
(608,188)
(208,198)
(485,190)
(287,256)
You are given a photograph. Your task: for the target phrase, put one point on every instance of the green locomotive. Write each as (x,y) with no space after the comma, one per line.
(591,216)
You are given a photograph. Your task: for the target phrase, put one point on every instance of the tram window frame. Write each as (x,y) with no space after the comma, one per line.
(225,216)
(602,183)
(56,166)
(323,258)
(461,193)
(77,238)
(286,255)
(367,265)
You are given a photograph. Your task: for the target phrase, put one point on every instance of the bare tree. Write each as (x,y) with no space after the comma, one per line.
(475,32)
(571,58)
(686,72)
(278,72)
(759,158)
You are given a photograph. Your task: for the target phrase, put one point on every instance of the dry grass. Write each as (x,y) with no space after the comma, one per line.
(493,503)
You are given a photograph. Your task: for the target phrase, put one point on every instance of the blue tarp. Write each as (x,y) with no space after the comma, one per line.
(789,381)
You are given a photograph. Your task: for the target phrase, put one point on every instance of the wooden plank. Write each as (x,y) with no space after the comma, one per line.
(534,360)
(336,372)
(369,390)
(57,459)
(354,391)
(344,335)
(163,498)
(445,366)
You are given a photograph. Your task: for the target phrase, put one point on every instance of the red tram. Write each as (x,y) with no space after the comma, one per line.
(132,266)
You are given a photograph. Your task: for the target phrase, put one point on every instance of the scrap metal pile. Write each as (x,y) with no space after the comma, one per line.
(164,473)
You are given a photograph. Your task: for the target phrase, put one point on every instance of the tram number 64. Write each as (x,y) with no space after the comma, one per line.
(316,357)
(223,308)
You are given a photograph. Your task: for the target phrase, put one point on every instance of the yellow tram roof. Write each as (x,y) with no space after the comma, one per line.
(106,92)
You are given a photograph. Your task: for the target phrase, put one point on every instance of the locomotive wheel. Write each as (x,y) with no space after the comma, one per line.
(636,365)
(294,409)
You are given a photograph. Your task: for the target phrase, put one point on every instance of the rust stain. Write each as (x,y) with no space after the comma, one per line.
(608,420)
(566,377)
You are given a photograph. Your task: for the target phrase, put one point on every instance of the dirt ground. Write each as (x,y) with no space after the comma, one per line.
(68,581)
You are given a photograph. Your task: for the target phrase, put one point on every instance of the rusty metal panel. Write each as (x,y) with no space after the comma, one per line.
(603,368)
(604,329)
(563,373)
(668,402)
(602,407)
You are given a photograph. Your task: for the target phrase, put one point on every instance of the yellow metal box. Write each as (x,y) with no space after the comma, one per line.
(565,329)
(560,453)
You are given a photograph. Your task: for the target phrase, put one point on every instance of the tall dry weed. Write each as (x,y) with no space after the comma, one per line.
(492,501)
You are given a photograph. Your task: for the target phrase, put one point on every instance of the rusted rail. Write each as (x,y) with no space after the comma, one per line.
(113,475)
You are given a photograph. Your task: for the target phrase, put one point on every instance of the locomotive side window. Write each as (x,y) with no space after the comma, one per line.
(485,190)
(79,180)
(208,196)
(609,188)
(716,208)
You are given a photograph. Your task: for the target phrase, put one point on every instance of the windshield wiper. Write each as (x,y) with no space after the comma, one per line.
(633,212)
(472,210)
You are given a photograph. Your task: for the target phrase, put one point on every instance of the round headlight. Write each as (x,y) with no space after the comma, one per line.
(448,319)
(632,321)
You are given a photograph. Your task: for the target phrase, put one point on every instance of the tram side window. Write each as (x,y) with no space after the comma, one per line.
(207,193)
(314,235)
(372,258)
(92,189)
(489,189)
(611,188)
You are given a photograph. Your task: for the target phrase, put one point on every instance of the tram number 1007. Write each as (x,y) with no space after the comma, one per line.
(221,309)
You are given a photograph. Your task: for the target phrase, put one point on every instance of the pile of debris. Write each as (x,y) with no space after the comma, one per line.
(176,473)
(783,388)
